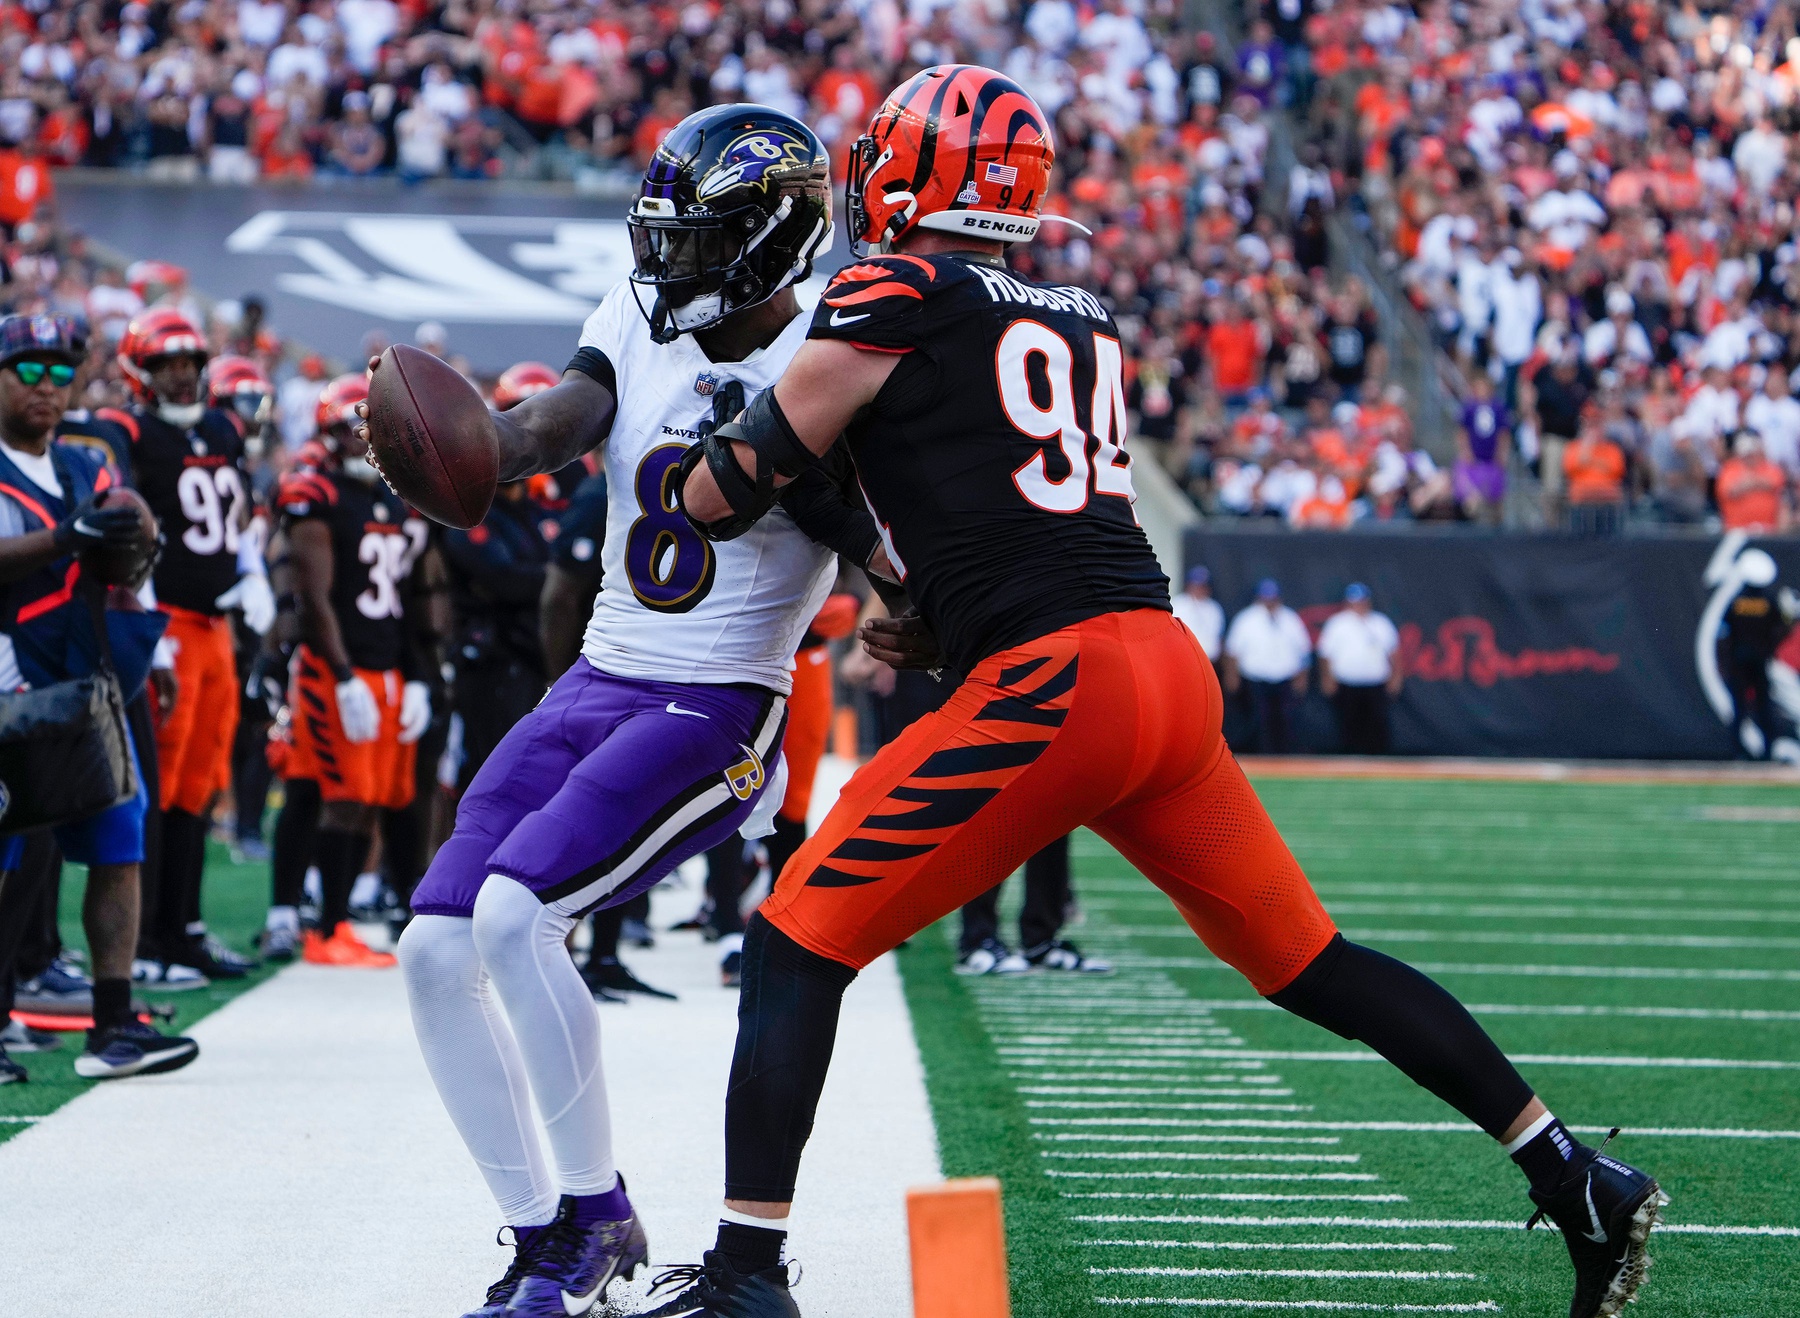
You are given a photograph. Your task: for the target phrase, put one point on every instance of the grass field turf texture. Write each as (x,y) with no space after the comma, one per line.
(236,897)
(1656,923)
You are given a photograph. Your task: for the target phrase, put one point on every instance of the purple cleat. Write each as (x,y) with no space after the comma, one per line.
(568,1267)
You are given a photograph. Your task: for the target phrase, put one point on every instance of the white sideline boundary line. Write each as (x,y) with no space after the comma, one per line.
(1166,1175)
(1509,938)
(1384,1127)
(1241,1198)
(1140,1155)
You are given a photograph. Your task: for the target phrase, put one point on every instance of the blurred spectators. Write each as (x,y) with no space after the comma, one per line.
(1613,183)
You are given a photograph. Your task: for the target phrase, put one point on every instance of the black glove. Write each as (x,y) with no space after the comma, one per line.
(91,525)
(903,642)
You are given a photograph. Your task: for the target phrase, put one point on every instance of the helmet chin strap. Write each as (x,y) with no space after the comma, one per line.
(185,415)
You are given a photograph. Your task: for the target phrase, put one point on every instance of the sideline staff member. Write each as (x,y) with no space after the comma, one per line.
(1357,671)
(47,515)
(1266,652)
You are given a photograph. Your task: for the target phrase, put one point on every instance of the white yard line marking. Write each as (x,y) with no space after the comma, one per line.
(1676,911)
(20,1121)
(1122,1057)
(1238,1197)
(1216,1091)
(1335,1306)
(1071,1135)
(1175,1107)
(1306,1274)
(1533,892)
(1160,1174)
(1530,972)
(1410,1224)
(1247,1246)
(1390,1127)
(1510,938)
(1142,1155)
(1752,1014)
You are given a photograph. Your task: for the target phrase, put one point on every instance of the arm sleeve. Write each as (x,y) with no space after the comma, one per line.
(879,303)
(821,505)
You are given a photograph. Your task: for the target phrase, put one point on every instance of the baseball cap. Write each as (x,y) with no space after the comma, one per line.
(1198,576)
(62,337)
(1268,589)
(1355,593)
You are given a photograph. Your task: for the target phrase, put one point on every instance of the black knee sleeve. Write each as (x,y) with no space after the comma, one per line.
(1358,993)
(787,1023)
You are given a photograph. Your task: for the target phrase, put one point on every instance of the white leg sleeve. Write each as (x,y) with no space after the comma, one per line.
(474,1062)
(521,945)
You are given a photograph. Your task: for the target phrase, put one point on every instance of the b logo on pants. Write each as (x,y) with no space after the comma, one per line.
(744,777)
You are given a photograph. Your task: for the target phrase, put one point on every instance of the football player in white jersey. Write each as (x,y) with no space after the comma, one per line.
(661,741)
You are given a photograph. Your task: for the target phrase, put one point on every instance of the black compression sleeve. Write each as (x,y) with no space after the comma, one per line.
(820,504)
(1359,993)
(787,1023)
(595,364)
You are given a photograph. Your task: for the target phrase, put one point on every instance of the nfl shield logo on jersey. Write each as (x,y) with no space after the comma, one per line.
(706,383)
(746,775)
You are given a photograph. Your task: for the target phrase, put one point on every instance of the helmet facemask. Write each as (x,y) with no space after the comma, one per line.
(736,204)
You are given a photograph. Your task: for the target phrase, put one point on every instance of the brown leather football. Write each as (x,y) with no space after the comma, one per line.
(122,567)
(431,437)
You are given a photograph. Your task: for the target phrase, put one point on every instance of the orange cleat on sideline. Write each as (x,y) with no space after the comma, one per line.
(343,948)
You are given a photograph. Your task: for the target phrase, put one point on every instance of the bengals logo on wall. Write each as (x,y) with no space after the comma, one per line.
(1747,650)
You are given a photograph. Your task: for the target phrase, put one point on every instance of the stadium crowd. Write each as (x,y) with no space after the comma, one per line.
(1258,377)
(1593,207)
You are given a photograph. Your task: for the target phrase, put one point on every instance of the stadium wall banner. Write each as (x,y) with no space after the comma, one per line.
(510,272)
(1548,645)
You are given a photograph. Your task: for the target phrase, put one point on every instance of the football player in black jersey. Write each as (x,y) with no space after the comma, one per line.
(360,702)
(187,462)
(986,417)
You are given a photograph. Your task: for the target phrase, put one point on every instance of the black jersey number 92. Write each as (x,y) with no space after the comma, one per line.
(994,457)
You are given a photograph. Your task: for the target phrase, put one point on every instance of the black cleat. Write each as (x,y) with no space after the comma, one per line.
(612,976)
(11,1073)
(1606,1211)
(208,955)
(715,1289)
(133,1049)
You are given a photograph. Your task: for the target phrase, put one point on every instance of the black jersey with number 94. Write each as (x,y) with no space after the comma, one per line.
(993,457)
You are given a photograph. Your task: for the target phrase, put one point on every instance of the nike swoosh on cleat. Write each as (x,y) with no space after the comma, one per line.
(1598,1234)
(691,713)
(577,1305)
(839,318)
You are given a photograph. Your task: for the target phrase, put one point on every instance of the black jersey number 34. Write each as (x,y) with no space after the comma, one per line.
(1109,472)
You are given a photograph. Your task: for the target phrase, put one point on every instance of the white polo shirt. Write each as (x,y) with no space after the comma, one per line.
(1268,647)
(1205,618)
(1359,647)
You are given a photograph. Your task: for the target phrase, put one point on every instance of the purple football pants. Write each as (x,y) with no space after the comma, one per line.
(605,787)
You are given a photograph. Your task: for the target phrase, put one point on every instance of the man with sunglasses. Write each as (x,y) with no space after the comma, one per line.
(49,512)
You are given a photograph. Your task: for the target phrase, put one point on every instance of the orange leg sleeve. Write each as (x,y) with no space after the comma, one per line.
(809,725)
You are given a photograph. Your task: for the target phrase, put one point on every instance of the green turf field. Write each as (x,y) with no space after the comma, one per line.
(1167,1145)
(236,898)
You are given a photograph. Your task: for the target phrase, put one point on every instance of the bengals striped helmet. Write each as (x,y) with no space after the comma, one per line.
(957,148)
(151,337)
(337,404)
(239,386)
(520,381)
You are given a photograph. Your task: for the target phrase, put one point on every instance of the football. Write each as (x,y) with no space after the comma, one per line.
(431,437)
(120,567)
